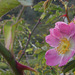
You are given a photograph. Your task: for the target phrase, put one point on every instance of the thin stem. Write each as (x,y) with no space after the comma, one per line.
(66,9)
(20,14)
(20,44)
(29,38)
(53,70)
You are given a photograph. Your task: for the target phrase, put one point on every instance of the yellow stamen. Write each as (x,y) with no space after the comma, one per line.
(63,46)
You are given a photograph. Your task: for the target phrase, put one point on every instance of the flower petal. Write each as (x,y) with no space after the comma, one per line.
(63,27)
(72,29)
(0,30)
(66,58)
(57,24)
(56,33)
(52,41)
(52,57)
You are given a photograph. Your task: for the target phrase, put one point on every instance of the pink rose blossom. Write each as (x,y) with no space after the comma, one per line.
(62,39)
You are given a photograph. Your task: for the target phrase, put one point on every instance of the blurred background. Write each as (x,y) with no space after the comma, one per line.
(37,47)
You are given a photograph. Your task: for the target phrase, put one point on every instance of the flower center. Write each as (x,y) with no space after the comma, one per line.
(63,46)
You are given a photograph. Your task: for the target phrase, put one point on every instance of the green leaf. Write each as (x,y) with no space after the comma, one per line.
(30,49)
(14,27)
(73,70)
(69,66)
(37,51)
(7,72)
(41,55)
(7,5)
(2,72)
(7,34)
(52,17)
(3,66)
(43,16)
(39,7)
(55,7)
(20,28)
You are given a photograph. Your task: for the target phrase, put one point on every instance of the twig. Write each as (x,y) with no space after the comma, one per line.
(20,44)
(29,38)
(20,14)
(66,9)
(53,70)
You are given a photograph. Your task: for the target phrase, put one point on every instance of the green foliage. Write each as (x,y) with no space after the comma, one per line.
(29,50)
(49,11)
(3,66)
(42,16)
(7,5)
(69,66)
(52,17)
(2,72)
(41,55)
(39,7)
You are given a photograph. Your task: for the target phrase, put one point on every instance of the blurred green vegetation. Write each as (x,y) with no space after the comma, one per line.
(7,5)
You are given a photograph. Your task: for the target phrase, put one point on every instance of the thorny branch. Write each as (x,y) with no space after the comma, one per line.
(29,38)
(65,3)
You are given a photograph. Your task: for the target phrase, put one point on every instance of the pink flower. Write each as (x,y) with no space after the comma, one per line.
(62,39)
(0,30)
